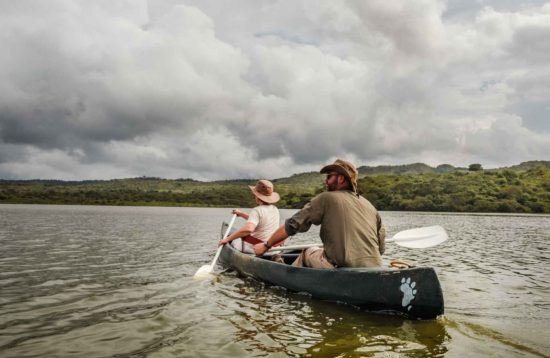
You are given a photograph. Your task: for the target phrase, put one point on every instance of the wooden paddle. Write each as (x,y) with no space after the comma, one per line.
(418,238)
(206,270)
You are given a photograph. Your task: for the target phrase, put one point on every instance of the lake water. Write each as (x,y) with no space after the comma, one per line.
(85,281)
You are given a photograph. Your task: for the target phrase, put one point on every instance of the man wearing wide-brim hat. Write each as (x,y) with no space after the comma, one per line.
(262,221)
(351,228)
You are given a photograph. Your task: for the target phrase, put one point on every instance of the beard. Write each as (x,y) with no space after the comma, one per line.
(331,187)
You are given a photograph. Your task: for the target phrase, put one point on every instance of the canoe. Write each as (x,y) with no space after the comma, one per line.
(412,292)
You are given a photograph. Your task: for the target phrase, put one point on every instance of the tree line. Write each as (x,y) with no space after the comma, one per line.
(476,190)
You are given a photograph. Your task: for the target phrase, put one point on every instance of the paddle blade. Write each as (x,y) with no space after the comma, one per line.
(421,237)
(206,270)
(203,273)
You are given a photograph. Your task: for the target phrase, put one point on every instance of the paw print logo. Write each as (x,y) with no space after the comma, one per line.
(409,292)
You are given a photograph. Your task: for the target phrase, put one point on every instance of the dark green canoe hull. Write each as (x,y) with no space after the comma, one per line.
(414,293)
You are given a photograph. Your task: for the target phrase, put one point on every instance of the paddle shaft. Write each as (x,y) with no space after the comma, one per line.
(304,246)
(221,246)
(420,238)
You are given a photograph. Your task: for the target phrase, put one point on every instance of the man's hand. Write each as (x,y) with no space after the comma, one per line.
(260,249)
(278,236)
(223,242)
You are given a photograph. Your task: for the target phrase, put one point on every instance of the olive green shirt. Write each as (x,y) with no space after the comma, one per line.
(351,228)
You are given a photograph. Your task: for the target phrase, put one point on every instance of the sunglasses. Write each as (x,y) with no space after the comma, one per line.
(330,175)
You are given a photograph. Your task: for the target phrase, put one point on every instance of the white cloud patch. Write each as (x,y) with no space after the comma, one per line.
(211,90)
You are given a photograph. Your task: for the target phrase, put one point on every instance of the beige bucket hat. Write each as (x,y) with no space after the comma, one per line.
(345,168)
(264,191)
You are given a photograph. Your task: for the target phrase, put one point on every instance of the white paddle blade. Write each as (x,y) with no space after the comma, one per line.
(421,237)
(204,272)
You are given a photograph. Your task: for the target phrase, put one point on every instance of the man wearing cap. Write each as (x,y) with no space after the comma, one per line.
(351,228)
(262,221)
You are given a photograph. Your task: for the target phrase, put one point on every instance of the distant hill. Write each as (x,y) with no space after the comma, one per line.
(529,165)
(408,169)
(314,178)
(308,178)
(421,168)
(522,188)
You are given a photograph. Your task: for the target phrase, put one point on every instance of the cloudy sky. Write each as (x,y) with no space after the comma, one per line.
(213,89)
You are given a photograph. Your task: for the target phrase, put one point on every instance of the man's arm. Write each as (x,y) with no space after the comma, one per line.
(245,230)
(241,214)
(381,235)
(279,235)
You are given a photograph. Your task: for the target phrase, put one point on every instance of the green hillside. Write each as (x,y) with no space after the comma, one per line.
(481,191)
(524,188)
(408,169)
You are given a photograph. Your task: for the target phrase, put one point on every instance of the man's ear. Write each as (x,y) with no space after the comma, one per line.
(345,181)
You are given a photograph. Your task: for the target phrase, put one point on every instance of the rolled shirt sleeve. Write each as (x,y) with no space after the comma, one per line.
(311,213)
(254,217)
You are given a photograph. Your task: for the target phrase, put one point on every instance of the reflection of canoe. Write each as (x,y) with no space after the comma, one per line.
(414,292)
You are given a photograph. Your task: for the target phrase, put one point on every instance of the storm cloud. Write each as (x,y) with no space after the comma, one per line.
(218,90)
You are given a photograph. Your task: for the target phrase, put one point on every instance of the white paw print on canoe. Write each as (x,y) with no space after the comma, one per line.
(409,292)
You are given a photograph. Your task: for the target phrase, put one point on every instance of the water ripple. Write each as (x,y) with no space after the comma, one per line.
(108,281)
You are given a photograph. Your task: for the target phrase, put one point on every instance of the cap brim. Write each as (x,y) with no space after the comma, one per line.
(340,170)
(331,168)
(335,168)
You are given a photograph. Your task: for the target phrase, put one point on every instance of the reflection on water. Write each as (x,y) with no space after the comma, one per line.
(273,320)
(117,281)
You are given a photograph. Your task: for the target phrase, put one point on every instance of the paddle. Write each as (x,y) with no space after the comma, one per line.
(418,238)
(206,270)
(421,237)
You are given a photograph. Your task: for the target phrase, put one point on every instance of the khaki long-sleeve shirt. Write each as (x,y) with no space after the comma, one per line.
(351,228)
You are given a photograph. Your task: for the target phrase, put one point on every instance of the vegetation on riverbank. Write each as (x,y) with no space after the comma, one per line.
(416,187)
(480,191)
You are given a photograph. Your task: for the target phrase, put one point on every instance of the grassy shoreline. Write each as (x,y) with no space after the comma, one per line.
(483,191)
